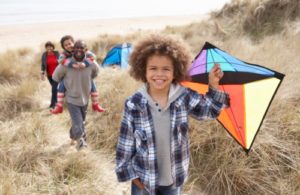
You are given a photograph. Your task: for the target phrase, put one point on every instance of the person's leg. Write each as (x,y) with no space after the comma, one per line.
(81,143)
(77,130)
(168,190)
(60,98)
(84,112)
(135,190)
(95,96)
(53,91)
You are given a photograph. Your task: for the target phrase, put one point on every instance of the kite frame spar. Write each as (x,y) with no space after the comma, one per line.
(229,78)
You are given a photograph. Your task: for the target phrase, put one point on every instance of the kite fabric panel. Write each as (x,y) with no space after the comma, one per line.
(251,89)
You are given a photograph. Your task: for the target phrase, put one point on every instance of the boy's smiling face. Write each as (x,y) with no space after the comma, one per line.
(68,45)
(159,73)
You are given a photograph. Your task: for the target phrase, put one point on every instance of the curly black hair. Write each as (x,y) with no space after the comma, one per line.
(155,44)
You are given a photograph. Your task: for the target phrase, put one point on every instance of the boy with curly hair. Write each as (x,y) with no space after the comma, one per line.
(153,146)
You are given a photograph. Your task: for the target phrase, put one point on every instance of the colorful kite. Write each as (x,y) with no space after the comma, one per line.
(251,89)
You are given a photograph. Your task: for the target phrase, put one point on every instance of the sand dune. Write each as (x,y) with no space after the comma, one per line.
(35,35)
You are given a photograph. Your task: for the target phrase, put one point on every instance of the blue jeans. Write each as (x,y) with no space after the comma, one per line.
(162,190)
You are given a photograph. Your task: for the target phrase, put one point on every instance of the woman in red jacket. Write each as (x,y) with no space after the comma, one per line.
(49,63)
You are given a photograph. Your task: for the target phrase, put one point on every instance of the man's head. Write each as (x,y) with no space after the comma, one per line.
(79,50)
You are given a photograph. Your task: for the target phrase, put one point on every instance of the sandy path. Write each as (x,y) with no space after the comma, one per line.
(59,142)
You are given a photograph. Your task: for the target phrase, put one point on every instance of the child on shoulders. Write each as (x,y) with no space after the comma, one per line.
(67,43)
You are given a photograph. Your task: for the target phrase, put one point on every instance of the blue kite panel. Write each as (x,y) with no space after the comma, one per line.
(241,66)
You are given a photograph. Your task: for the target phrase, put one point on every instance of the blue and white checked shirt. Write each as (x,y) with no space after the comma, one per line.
(136,150)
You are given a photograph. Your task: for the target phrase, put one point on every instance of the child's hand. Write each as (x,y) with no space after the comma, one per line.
(81,65)
(76,66)
(215,76)
(138,183)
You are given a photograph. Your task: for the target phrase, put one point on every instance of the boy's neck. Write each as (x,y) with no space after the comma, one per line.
(159,96)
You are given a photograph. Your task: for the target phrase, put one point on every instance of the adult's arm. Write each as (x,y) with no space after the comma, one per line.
(59,73)
(43,63)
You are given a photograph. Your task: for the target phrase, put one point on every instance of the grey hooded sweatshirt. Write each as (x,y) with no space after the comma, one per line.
(162,127)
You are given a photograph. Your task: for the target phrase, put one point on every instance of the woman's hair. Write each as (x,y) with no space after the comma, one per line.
(66,37)
(49,43)
(156,44)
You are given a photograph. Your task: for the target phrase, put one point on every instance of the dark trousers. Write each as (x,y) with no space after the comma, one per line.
(53,91)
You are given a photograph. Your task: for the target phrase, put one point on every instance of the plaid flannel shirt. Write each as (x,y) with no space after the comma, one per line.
(136,151)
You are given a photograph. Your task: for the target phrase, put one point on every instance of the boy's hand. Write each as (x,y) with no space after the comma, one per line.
(138,183)
(76,66)
(81,65)
(215,76)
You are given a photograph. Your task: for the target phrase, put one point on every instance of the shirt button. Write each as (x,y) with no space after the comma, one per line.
(159,110)
(156,104)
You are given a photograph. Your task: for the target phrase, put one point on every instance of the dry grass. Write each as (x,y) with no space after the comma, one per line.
(16,99)
(114,87)
(18,82)
(257,18)
(36,158)
(15,65)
